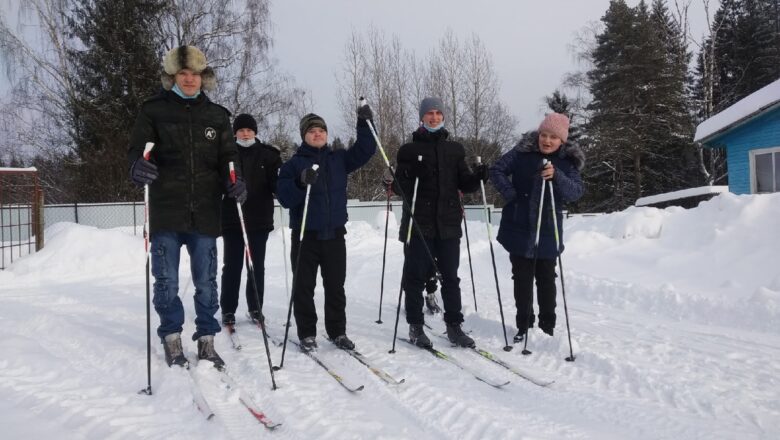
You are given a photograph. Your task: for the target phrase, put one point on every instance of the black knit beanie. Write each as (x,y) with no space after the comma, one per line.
(310,121)
(244,121)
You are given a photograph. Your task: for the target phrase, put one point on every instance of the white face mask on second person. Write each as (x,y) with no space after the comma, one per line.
(245,142)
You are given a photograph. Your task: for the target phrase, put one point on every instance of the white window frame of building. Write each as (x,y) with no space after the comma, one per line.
(775,170)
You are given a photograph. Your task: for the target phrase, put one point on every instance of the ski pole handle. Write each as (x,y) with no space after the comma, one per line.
(148,150)
(232,170)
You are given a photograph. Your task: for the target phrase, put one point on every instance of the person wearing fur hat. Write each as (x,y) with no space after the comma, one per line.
(259,165)
(518,176)
(323,245)
(441,173)
(187,175)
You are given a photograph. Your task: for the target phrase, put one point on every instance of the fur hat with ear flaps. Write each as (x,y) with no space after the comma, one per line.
(187,57)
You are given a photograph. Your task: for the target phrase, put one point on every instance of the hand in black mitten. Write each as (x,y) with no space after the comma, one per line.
(309,176)
(237,190)
(364,112)
(482,171)
(143,172)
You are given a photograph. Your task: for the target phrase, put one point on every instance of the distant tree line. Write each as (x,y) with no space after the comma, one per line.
(76,92)
(644,85)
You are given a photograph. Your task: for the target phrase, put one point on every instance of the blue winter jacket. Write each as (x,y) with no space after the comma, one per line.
(327,213)
(516,175)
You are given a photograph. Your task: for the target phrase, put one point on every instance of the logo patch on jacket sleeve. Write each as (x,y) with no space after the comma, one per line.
(210,133)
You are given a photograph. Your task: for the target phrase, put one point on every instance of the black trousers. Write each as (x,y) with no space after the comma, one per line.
(523,276)
(417,270)
(233,264)
(330,257)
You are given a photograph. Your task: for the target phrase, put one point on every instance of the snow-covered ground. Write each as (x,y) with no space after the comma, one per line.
(675,322)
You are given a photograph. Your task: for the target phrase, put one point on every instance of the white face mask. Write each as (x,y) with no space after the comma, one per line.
(245,142)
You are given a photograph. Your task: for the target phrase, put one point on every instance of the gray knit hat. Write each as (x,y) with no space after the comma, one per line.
(429,104)
(310,121)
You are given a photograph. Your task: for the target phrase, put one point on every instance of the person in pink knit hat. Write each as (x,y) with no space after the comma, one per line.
(518,175)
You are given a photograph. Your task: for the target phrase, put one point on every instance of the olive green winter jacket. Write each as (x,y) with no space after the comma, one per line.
(193,144)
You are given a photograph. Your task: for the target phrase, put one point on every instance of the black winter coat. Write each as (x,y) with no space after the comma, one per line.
(437,210)
(193,144)
(259,165)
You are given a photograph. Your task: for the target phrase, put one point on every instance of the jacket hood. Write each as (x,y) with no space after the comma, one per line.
(569,149)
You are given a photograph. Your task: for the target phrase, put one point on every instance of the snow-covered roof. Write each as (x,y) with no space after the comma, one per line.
(681,194)
(740,111)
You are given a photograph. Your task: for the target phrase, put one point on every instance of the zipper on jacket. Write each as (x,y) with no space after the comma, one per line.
(192,165)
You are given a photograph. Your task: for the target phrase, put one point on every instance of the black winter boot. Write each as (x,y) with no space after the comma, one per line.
(309,343)
(344,342)
(257,317)
(206,352)
(456,336)
(418,337)
(228,319)
(174,355)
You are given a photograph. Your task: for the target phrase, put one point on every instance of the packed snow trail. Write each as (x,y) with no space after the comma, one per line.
(675,318)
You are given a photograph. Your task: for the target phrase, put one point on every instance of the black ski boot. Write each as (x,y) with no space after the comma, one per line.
(344,342)
(174,355)
(308,344)
(257,317)
(228,319)
(418,337)
(456,336)
(519,336)
(430,302)
(206,352)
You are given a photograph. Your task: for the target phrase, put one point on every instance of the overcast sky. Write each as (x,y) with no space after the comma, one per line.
(529,40)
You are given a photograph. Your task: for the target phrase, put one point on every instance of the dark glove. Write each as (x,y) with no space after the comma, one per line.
(482,171)
(364,112)
(237,190)
(309,176)
(419,170)
(143,172)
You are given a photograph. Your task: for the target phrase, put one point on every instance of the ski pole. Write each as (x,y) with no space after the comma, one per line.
(148,390)
(406,247)
(384,257)
(284,252)
(295,270)
(468,249)
(507,347)
(530,303)
(250,266)
(560,265)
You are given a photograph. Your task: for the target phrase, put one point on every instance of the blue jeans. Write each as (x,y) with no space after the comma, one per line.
(166,249)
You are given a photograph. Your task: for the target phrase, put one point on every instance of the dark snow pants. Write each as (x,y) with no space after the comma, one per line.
(417,269)
(233,264)
(523,276)
(330,257)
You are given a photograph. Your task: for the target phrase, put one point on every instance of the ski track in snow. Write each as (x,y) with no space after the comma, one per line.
(652,361)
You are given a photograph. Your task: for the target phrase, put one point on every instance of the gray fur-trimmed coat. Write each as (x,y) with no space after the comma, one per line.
(516,175)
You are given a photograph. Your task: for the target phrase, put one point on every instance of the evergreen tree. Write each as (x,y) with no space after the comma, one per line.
(640,126)
(116,70)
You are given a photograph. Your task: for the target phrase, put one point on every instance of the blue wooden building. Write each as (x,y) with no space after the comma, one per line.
(749,131)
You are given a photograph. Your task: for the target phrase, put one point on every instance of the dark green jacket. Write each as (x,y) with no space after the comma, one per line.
(193,144)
